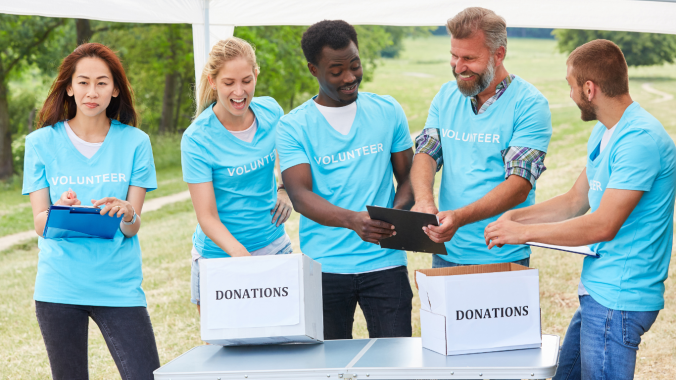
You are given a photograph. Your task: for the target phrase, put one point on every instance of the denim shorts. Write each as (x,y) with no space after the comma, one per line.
(195,274)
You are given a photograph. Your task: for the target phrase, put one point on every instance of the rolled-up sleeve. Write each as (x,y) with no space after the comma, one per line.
(428,142)
(527,163)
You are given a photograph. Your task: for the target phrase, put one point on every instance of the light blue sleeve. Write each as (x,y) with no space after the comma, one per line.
(634,162)
(402,136)
(143,172)
(291,151)
(34,174)
(433,114)
(532,124)
(194,161)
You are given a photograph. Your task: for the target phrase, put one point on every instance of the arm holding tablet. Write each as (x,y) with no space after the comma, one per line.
(503,197)
(298,182)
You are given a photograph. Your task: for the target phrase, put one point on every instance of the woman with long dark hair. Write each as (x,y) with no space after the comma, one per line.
(88,151)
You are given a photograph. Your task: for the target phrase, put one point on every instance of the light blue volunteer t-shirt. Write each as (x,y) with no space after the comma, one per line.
(630,272)
(350,171)
(473,165)
(242,174)
(82,271)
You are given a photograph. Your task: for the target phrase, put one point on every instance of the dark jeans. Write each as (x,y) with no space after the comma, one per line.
(127,331)
(384,297)
(438,262)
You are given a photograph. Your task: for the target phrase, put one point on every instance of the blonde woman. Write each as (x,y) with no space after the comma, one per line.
(228,156)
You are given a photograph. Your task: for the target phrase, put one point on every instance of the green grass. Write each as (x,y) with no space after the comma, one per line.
(165,235)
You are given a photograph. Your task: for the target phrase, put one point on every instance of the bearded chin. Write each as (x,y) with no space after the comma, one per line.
(478,85)
(587,111)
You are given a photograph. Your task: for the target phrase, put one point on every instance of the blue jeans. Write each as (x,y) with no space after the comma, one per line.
(601,343)
(438,262)
(195,274)
(126,330)
(384,296)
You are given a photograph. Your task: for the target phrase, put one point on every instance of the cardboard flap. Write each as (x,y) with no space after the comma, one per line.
(472,269)
(421,285)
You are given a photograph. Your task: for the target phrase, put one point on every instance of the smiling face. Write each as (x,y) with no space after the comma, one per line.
(235,84)
(92,87)
(577,94)
(339,73)
(473,64)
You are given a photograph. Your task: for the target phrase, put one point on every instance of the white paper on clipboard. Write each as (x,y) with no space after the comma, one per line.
(581,250)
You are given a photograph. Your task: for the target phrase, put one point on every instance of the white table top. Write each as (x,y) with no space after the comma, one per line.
(384,358)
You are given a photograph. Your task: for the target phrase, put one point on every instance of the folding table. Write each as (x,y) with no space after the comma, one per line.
(383,358)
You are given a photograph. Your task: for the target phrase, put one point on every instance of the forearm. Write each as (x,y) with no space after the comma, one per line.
(403,199)
(582,230)
(132,229)
(39,222)
(503,197)
(422,178)
(219,234)
(557,209)
(319,210)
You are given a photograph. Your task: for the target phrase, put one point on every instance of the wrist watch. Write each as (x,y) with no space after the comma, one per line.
(133,218)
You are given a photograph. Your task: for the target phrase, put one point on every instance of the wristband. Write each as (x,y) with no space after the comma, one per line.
(133,218)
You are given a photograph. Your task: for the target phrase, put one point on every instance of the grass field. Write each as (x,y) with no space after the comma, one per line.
(412,79)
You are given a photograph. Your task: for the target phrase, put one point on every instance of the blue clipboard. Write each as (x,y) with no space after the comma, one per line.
(79,222)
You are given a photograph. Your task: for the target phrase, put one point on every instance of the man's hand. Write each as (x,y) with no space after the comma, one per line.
(504,231)
(425,207)
(370,230)
(449,222)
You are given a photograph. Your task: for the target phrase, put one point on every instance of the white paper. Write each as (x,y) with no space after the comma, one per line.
(582,250)
(494,295)
(233,287)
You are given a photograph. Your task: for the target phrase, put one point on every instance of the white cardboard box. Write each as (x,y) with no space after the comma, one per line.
(261,300)
(479,308)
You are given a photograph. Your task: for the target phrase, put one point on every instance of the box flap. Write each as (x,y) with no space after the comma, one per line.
(433,331)
(473,269)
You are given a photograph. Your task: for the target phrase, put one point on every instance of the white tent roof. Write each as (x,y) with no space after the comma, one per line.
(655,16)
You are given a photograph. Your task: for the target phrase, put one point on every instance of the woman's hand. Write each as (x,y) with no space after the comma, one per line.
(115,207)
(68,198)
(282,209)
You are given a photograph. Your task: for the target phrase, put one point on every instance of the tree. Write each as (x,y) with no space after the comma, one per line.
(284,74)
(158,59)
(22,43)
(640,49)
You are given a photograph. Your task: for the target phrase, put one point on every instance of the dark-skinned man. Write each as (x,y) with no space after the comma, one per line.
(489,130)
(338,153)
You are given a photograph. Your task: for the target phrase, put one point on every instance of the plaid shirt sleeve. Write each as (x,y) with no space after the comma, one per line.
(428,142)
(524,162)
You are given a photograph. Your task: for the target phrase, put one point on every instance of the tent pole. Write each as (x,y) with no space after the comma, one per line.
(207,46)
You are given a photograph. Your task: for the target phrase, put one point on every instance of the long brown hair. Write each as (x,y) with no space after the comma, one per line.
(59,106)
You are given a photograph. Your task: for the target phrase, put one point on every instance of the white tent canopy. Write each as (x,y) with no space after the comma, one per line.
(221,16)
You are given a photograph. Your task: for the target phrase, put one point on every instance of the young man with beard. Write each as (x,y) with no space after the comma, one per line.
(338,153)
(628,184)
(489,130)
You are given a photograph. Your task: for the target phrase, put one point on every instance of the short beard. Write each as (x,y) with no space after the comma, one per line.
(588,112)
(478,85)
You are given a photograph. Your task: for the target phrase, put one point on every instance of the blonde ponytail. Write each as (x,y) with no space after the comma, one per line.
(224,51)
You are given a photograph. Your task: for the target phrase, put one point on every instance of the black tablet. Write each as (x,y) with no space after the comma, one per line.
(408,224)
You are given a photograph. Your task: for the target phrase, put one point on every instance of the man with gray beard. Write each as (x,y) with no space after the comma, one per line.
(489,130)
